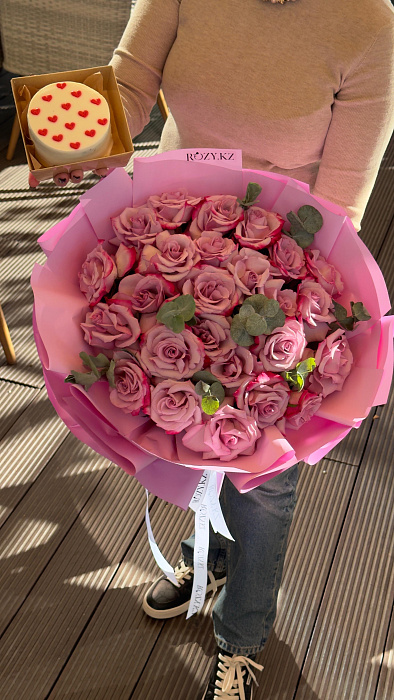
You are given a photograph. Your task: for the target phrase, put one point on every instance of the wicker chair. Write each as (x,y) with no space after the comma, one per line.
(47,36)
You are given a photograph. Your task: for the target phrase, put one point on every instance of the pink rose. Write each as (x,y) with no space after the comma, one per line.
(314,303)
(287,301)
(111,325)
(173,209)
(229,433)
(302,407)
(173,256)
(146,293)
(334,361)
(288,259)
(125,259)
(218,212)
(325,273)
(282,350)
(97,276)
(171,355)
(259,229)
(214,332)
(235,368)
(175,406)
(264,398)
(214,249)
(251,271)
(131,392)
(213,289)
(135,226)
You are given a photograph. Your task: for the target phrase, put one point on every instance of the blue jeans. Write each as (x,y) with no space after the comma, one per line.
(259,521)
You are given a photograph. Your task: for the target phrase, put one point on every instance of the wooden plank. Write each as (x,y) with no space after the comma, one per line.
(42,519)
(352,624)
(43,633)
(26,449)
(14,398)
(385,689)
(115,646)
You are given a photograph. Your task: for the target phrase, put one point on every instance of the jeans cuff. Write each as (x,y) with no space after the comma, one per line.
(212,565)
(240,651)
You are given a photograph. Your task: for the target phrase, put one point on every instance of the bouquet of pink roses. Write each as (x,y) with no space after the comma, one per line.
(213,329)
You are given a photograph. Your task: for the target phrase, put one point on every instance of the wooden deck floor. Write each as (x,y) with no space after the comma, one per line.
(74,556)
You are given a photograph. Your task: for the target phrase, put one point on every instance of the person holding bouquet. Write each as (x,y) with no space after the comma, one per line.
(305,88)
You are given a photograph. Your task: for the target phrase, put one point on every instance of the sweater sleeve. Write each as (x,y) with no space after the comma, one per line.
(361,126)
(139,59)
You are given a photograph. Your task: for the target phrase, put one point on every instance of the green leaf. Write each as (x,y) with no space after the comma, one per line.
(306,366)
(239,334)
(297,231)
(256,325)
(359,311)
(110,374)
(258,302)
(209,405)
(203,375)
(340,312)
(276,322)
(217,390)
(173,314)
(85,379)
(88,361)
(311,218)
(252,192)
(192,321)
(246,310)
(294,380)
(201,388)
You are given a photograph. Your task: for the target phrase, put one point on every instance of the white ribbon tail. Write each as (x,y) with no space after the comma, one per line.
(160,560)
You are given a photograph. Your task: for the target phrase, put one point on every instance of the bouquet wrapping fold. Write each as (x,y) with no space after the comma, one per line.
(161,462)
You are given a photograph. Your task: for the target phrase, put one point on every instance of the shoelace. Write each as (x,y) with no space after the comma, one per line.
(230,684)
(184,573)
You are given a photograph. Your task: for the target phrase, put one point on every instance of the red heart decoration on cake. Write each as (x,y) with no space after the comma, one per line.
(84,113)
(96,102)
(102,121)
(70,125)
(59,137)
(47,98)
(90,133)
(43,132)
(66,105)
(53,119)
(35,111)
(76,93)
(61,85)
(75,145)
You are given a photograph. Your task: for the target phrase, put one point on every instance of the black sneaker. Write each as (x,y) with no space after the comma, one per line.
(232,677)
(164,599)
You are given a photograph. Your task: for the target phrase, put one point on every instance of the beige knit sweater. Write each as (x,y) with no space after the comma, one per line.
(305,88)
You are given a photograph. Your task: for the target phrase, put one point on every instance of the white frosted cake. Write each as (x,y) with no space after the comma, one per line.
(69,122)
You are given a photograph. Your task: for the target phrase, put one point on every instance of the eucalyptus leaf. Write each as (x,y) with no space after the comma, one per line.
(311,218)
(176,324)
(88,361)
(246,310)
(340,312)
(258,302)
(217,390)
(201,388)
(209,405)
(306,366)
(294,380)
(252,192)
(256,325)
(239,334)
(203,375)
(302,237)
(171,313)
(110,374)
(359,311)
(276,322)
(85,379)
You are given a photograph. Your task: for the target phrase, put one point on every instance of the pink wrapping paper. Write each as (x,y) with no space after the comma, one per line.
(161,462)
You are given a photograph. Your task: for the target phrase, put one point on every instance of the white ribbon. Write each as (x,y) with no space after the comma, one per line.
(160,560)
(205,504)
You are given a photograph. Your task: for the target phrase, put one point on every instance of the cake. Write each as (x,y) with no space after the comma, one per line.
(69,122)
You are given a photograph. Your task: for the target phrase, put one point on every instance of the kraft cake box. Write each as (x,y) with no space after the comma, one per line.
(102,80)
